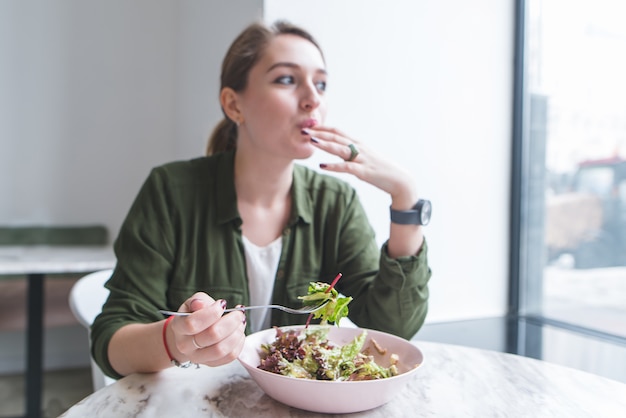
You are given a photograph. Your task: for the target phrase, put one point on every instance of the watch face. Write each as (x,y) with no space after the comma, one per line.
(425,212)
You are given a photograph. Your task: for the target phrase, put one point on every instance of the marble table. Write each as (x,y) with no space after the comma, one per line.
(454,381)
(36,262)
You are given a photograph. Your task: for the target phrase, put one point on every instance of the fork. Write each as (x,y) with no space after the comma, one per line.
(303,310)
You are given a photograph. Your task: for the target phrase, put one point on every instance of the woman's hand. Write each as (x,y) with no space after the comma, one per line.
(365,165)
(207,336)
(219,338)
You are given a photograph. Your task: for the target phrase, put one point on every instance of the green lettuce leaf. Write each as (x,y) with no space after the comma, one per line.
(334,310)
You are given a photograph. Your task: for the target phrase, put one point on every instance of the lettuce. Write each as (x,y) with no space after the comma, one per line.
(334,310)
(309,355)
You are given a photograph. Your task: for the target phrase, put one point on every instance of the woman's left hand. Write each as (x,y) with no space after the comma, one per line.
(362,162)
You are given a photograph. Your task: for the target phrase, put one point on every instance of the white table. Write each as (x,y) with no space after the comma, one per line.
(36,262)
(454,381)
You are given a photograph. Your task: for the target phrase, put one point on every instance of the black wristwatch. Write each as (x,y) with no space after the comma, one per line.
(419,215)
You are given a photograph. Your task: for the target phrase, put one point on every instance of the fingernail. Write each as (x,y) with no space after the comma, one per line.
(323,165)
(223,303)
(313,139)
(238,306)
(244,319)
(305,131)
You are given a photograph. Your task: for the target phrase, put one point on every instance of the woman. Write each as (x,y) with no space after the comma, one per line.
(245,225)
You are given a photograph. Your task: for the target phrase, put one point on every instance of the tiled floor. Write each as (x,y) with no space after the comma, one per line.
(62,389)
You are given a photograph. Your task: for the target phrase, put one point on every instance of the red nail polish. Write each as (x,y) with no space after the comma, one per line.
(223,303)
(323,165)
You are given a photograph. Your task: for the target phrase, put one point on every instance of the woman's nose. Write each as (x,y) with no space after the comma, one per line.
(311,98)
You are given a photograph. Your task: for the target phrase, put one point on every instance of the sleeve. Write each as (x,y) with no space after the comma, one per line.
(144,251)
(389,295)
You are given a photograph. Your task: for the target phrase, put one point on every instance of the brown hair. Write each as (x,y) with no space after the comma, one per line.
(243,54)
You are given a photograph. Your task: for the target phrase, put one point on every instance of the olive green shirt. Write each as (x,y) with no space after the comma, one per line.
(183,235)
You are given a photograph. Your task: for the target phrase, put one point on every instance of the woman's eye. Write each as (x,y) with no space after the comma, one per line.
(286,80)
(321,85)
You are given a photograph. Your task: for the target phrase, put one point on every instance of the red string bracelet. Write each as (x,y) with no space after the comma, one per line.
(167,350)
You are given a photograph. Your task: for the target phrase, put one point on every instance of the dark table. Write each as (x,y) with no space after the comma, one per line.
(35,262)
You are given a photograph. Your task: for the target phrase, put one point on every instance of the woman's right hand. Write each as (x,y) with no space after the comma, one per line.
(207,336)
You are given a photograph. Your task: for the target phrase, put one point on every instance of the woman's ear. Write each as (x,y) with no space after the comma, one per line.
(230,105)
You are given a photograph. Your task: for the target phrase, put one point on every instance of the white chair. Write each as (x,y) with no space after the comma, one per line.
(86,299)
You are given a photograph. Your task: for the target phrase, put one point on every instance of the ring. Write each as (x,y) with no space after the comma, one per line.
(353,152)
(195,343)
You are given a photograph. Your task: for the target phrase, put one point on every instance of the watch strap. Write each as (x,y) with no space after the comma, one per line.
(404,217)
(414,216)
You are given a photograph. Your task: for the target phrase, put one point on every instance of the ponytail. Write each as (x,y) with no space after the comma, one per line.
(223,137)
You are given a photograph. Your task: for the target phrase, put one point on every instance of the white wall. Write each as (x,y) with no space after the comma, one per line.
(89,106)
(95,93)
(429,83)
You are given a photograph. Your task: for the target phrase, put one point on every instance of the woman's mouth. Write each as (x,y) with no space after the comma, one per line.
(308,123)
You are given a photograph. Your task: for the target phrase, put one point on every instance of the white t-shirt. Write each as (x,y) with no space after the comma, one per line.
(261,265)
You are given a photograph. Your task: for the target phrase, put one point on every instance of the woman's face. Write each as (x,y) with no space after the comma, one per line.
(284,94)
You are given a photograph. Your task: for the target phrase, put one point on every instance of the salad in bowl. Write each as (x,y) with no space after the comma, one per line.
(330,369)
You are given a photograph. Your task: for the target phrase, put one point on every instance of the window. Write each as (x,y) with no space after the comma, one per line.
(572,268)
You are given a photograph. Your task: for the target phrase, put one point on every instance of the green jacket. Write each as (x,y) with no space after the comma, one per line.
(183,235)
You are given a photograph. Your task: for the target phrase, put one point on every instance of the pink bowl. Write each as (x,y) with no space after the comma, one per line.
(333,396)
